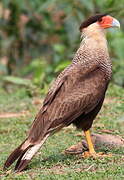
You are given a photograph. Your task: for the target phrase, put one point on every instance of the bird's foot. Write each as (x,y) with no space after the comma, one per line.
(95,155)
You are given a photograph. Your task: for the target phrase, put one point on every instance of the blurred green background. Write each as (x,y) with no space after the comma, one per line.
(38,38)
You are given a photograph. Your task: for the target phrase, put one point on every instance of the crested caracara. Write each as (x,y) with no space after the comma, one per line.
(77,94)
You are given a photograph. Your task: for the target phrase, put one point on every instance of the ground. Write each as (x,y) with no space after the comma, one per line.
(51,163)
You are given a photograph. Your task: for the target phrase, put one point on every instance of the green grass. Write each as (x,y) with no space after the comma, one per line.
(50,163)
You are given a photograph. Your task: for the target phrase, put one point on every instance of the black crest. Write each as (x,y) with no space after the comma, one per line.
(91,20)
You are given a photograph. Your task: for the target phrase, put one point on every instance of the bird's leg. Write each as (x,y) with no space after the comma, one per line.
(90,145)
(91,152)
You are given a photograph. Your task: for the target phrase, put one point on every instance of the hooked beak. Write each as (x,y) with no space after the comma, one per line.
(115,23)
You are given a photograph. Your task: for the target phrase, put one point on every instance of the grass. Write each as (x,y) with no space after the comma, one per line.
(50,163)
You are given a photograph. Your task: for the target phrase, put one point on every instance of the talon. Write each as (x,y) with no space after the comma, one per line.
(87,154)
(95,155)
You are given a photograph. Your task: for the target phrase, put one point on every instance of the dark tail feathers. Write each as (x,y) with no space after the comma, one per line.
(24,153)
(18,152)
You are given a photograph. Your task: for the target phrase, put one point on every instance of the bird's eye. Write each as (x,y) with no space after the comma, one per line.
(100,19)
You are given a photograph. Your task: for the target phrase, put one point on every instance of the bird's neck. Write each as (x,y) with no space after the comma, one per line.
(93,50)
(94,37)
(93,47)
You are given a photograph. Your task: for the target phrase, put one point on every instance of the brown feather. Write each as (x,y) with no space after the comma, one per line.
(71,100)
(21,164)
(51,94)
(15,154)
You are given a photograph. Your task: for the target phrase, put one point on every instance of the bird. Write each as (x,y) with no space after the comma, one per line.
(77,94)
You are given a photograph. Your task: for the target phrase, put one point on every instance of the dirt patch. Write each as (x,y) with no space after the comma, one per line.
(111,100)
(14,115)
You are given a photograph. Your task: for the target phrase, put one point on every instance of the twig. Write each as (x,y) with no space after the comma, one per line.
(89,167)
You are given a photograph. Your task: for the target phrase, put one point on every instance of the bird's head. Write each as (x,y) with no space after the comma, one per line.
(102,21)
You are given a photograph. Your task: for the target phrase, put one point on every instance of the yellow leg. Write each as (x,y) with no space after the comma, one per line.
(89,142)
(91,152)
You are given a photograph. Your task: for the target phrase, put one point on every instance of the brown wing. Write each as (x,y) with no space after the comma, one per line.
(82,97)
(79,91)
(52,93)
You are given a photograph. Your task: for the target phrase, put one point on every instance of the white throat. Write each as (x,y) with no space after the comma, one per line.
(94,35)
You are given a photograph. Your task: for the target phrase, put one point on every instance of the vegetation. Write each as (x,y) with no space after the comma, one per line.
(38,39)
(50,162)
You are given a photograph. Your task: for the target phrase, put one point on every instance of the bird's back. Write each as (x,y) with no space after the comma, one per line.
(77,90)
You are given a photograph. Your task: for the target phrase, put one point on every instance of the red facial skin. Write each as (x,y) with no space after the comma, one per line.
(106,22)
